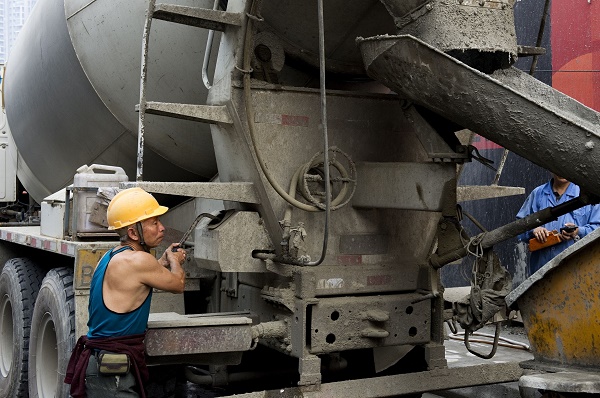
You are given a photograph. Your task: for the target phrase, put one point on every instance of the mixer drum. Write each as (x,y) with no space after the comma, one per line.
(72,83)
(296,23)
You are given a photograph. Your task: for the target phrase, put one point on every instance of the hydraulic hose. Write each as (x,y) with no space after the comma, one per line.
(250,112)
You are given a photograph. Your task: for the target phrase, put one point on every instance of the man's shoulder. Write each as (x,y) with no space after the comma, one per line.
(544,188)
(573,189)
(133,258)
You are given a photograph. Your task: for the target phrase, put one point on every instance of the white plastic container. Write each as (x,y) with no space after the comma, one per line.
(94,176)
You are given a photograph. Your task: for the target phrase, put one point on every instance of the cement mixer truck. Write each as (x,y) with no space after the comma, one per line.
(317,143)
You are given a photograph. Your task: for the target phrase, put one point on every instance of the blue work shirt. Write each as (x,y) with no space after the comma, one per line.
(587,218)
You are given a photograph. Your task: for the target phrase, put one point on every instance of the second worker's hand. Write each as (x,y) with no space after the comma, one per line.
(541,234)
(569,231)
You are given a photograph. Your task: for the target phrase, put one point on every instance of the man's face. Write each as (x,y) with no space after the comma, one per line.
(559,179)
(154,231)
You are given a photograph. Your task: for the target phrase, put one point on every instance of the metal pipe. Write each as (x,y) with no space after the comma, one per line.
(250,112)
(500,167)
(266,330)
(510,342)
(475,221)
(207,52)
(489,239)
(540,37)
(500,344)
(325,154)
(265,256)
(9,212)
(325,135)
(143,78)
(250,119)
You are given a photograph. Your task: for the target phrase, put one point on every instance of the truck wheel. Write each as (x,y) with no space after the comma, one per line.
(52,335)
(19,284)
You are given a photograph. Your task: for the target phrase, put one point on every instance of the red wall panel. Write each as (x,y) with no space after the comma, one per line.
(575,41)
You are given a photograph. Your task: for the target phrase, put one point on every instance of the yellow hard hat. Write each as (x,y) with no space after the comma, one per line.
(130,206)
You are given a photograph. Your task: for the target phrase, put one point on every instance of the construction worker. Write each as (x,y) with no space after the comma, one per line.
(109,361)
(566,230)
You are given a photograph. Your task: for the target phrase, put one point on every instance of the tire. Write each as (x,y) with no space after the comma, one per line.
(20,281)
(52,335)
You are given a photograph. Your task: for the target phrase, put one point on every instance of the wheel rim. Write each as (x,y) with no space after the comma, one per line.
(6,336)
(47,358)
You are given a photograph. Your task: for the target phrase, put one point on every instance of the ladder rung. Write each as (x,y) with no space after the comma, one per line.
(199,113)
(229,191)
(199,17)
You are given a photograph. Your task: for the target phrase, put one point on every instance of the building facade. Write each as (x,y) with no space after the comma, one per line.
(13,14)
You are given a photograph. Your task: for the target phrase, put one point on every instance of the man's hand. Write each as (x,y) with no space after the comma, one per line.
(571,231)
(173,253)
(541,234)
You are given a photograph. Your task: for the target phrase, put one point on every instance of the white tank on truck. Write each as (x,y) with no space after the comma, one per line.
(317,145)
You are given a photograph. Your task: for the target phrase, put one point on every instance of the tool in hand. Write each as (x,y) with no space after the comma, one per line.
(569,228)
(191,228)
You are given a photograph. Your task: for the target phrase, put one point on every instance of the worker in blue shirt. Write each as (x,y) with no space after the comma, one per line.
(583,220)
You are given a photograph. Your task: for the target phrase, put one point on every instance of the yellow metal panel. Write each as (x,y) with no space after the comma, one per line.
(561,312)
(85,264)
(86,260)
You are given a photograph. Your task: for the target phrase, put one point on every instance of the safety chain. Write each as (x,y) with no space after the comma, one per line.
(475,242)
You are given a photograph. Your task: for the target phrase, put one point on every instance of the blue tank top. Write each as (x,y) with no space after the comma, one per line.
(106,323)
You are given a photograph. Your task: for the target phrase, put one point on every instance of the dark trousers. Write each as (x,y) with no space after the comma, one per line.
(100,386)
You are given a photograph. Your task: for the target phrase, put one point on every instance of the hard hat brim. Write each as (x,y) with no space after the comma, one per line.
(159,211)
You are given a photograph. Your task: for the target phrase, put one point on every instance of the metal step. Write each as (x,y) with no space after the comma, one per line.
(199,337)
(198,17)
(478,192)
(198,113)
(242,192)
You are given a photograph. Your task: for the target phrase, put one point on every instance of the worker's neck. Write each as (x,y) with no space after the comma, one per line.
(135,245)
(559,186)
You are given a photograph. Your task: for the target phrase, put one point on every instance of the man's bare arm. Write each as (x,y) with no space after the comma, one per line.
(170,278)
